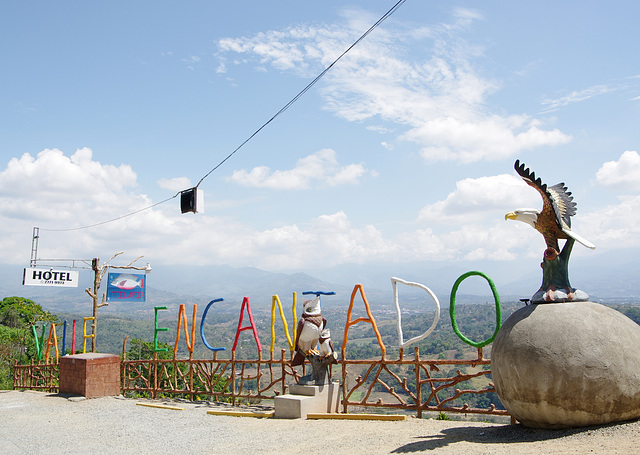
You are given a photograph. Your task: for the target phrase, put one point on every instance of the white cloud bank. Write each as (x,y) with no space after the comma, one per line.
(55,191)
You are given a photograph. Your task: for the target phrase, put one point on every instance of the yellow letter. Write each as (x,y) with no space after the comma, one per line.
(276,300)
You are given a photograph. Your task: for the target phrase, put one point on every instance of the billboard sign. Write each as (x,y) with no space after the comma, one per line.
(49,277)
(126,287)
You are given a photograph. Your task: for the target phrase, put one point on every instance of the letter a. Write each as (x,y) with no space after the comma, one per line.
(370,320)
(252,326)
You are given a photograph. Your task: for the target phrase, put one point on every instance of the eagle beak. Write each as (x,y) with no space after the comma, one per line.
(511,216)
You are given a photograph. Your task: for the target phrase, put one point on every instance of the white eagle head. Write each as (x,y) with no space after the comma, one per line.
(312,307)
(529,216)
(326,333)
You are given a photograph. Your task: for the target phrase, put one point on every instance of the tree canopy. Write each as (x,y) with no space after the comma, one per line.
(21,313)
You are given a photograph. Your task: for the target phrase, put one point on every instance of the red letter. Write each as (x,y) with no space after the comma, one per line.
(245,302)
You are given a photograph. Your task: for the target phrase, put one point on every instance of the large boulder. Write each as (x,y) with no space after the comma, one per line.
(561,365)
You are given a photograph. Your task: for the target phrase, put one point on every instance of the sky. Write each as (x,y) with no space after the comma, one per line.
(402,153)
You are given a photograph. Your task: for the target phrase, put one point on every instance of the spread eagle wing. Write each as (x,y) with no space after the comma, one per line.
(554,221)
(298,332)
(298,358)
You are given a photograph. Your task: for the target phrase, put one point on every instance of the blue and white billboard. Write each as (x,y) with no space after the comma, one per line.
(126,287)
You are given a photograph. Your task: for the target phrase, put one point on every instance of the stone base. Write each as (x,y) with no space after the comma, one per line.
(307,399)
(566,365)
(560,296)
(90,375)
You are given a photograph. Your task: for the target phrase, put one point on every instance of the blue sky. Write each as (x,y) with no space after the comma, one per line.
(402,153)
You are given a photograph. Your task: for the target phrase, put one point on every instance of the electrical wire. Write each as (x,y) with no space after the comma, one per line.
(304,90)
(111,220)
(284,108)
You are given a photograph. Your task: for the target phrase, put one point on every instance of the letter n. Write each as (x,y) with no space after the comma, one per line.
(182,316)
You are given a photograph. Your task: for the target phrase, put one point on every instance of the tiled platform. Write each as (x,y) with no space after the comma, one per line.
(307,399)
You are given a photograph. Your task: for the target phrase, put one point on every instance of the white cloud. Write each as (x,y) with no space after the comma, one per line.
(481,198)
(192,61)
(489,138)
(55,191)
(59,185)
(322,167)
(613,226)
(424,78)
(576,97)
(623,174)
(175,184)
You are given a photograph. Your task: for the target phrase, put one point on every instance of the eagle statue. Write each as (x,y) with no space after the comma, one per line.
(313,342)
(554,223)
(325,345)
(328,354)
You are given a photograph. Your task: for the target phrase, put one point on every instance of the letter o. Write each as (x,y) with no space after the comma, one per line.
(452,310)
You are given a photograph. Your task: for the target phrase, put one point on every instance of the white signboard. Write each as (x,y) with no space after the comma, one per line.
(50,277)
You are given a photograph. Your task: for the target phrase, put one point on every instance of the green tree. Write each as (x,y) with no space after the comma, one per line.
(17,316)
(21,313)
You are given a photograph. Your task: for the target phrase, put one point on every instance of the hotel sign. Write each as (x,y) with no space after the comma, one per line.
(49,277)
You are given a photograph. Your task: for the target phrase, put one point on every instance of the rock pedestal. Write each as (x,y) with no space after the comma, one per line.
(307,399)
(563,365)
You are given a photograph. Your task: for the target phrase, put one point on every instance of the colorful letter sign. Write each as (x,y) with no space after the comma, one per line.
(126,287)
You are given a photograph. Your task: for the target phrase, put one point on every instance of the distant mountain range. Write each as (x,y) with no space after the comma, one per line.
(609,277)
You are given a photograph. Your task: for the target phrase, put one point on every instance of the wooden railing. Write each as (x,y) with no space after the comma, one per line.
(408,383)
(36,376)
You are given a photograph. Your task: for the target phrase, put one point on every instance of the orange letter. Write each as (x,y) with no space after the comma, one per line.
(190,341)
(370,319)
(52,333)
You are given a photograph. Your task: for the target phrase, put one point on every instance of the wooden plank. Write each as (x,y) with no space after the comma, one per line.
(386,417)
(161,406)
(243,413)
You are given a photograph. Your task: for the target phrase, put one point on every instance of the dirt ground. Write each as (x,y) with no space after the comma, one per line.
(37,422)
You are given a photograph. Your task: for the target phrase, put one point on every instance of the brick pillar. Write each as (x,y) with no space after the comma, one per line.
(91,375)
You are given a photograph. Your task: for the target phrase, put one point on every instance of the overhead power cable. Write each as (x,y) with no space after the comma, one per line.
(113,219)
(284,108)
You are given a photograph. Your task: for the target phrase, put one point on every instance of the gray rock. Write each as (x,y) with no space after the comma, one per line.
(563,365)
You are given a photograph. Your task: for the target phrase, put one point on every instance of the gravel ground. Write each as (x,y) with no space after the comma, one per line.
(37,422)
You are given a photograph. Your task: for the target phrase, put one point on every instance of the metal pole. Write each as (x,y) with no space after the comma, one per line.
(34,247)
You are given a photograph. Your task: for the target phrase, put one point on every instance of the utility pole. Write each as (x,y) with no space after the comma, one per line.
(98,273)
